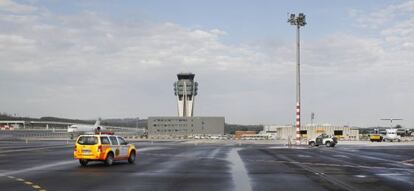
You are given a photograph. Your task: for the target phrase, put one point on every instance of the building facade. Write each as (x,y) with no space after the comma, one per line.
(183,127)
(312,131)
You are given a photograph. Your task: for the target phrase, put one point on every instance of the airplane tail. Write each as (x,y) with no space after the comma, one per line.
(98,122)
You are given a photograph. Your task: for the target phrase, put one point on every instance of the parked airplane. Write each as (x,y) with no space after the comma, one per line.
(82,128)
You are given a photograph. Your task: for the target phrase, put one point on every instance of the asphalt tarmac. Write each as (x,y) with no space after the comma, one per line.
(212,167)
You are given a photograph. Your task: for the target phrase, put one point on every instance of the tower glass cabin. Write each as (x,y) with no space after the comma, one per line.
(185,89)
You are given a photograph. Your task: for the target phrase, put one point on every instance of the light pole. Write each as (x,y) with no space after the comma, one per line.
(298,21)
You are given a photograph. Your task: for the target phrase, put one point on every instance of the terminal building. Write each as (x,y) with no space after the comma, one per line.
(20,124)
(312,131)
(185,124)
(184,127)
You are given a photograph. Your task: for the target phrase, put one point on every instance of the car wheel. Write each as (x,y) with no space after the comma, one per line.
(109,159)
(312,144)
(328,144)
(83,162)
(131,158)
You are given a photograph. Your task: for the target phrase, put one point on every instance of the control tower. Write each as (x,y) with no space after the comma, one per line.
(185,89)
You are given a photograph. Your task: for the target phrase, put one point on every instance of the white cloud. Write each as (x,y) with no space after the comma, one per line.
(15,42)
(382,16)
(11,6)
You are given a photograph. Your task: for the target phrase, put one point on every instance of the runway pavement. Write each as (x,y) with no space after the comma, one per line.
(211,167)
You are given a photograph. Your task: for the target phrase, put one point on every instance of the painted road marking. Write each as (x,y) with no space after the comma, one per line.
(391,174)
(375,158)
(331,165)
(360,176)
(408,162)
(149,149)
(238,171)
(35,149)
(27,183)
(41,167)
(36,186)
(321,174)
(341,156)
(288,147)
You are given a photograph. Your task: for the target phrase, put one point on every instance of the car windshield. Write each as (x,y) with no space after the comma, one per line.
(88,140)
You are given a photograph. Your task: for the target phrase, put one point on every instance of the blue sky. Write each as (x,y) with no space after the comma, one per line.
(89,59)
(243,20)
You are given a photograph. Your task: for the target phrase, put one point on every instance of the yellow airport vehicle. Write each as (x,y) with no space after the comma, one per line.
(375,137)
(103,147)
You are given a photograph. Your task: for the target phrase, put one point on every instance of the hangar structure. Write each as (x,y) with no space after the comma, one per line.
(312,131)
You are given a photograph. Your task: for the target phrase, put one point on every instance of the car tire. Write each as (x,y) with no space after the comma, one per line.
(109,159)
(83,162)
(131,158)
(328,144)
(312,144)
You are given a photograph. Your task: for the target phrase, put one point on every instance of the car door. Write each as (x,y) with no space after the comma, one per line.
(115,146)
(106,143)
(318,140)
(123,147)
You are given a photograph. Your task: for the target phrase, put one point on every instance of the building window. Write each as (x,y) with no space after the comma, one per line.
(338,133)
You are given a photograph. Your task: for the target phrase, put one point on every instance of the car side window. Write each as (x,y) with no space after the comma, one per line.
(114,141)
(122,141)
(105,140)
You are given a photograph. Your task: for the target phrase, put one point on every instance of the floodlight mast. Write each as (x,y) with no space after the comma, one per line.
(298,21)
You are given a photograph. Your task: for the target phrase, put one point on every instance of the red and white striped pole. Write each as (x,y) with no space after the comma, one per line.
(298,123)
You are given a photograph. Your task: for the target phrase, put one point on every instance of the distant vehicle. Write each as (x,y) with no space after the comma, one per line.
(404,132)
(7,128)
(102,147)
(375,137)
(214,137)
(82,128)
(323,139)
(391,135)
(223,137)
